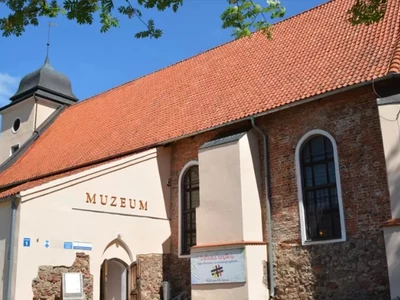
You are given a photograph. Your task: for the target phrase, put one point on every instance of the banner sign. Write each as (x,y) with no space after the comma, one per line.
(222,266)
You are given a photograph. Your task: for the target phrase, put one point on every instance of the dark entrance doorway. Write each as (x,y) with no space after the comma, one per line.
(119,281)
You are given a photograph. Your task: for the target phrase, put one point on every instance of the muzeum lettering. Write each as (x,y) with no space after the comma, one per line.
(115,201)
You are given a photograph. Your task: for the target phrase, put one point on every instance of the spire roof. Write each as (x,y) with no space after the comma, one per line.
(55,85)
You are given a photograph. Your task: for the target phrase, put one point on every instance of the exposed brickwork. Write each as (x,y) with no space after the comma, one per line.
(357,268)
(152,267)
(316,272)
(182,152)
(47,285)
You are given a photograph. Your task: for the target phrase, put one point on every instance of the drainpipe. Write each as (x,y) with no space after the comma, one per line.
(11,248)
(268,204)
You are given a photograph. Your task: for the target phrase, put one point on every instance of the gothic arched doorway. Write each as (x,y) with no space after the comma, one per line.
(118,280)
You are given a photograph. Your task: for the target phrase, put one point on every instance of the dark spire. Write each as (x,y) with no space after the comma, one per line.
(46,82)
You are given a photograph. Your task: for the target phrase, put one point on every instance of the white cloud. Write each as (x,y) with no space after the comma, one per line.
(8,87)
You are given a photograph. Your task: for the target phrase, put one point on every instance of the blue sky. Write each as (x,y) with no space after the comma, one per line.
(96,61)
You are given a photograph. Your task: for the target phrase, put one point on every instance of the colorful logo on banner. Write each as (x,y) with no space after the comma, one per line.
(222,266)
(217,271)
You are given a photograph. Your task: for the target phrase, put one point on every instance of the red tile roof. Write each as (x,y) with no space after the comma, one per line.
(310,54)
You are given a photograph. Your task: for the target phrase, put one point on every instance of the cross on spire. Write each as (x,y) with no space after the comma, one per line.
(48,42)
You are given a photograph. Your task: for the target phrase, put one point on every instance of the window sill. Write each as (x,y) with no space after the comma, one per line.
(183,255)
(306,243)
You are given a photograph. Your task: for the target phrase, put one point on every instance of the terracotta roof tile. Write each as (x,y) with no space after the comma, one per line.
(312,53)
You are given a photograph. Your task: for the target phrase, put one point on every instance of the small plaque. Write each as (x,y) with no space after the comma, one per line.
(72,286)
(27,242)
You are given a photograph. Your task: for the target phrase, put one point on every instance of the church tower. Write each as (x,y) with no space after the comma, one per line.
(40,97)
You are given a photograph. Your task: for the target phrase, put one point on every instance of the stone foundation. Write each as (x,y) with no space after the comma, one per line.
(354,270)
(48,283)
(152,270)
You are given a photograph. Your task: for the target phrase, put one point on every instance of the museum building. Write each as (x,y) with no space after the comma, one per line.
(260,169)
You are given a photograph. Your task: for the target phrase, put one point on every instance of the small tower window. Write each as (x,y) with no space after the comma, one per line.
(16,124)
(14,149)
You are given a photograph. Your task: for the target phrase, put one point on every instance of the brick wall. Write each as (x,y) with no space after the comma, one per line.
(355,269)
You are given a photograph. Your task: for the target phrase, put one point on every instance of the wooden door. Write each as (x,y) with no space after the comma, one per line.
(134,274)
(103,280)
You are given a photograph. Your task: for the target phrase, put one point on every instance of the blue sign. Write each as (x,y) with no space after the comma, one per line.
(67,245)
(27,242)
(82,246)
(47,244)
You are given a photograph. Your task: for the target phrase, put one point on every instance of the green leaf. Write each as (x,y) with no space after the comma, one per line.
(367,11)
(245,16)
(241,16)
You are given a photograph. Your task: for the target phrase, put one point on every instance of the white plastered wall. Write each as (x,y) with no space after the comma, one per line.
(5,226)
(60,211)
(392,242)
(390,124)
(250,187)
(230,192)
(44,109)
(220,195)
(390,127)
(25,111)
(32,113)
(230,212)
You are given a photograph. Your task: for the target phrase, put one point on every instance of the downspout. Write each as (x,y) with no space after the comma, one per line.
(11,248)
(268,204)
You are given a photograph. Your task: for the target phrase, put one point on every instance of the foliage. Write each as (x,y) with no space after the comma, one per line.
(367,11)
(241,16)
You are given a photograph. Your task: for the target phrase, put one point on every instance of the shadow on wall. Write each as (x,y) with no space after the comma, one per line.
(393,163)
(393,233)
(5,219)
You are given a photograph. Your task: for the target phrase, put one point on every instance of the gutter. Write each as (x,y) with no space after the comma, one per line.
(268,205)
(11,247)
(164,143)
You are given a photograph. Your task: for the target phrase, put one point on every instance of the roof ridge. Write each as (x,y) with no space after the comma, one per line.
(197,55)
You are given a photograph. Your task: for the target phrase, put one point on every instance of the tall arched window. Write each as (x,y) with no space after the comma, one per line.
(320,197)
(189,200)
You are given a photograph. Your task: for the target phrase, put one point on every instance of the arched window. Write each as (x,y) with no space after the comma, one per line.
(320,197)
(189,200)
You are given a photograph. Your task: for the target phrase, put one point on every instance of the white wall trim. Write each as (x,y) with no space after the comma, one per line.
(300,188)
(181,175)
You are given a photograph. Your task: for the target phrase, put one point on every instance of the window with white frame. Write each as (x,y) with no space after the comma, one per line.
(189,198)
(320,196)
